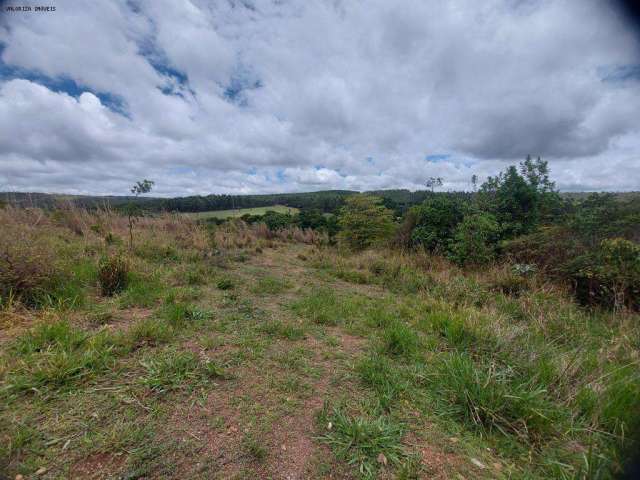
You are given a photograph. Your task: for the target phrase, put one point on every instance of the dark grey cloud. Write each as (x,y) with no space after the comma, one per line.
(205,96)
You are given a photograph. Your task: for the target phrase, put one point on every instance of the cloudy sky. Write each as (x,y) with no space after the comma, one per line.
(250,96)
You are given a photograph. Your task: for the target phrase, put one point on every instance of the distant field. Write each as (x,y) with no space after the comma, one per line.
(242,211)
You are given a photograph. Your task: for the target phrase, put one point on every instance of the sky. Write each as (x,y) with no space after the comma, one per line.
(262,96)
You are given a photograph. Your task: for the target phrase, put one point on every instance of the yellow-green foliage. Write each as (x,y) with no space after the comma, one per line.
(365,222)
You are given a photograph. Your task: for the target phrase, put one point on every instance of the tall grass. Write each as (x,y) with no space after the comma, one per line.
(514,362)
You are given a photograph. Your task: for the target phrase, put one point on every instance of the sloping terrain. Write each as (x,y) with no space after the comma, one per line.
(285,360)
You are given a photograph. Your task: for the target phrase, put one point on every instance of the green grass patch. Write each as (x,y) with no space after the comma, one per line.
(494,399)
(177,370)
(57,355)
(150,331)
(236,213)
(180,315)
(364,443)
(142,291)
(271,285)
(400,340)
(283,330)
(324,307)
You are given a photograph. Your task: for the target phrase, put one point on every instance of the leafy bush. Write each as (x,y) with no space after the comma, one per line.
(475,239)
(592,249)
(365,222)
(610,276)
(434,221)
(113,275)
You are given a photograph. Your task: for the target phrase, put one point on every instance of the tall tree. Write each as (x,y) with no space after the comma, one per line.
(520,198)
(365,222)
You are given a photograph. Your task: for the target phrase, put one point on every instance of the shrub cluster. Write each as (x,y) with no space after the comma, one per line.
(112,275)
(28,267)
(594,247)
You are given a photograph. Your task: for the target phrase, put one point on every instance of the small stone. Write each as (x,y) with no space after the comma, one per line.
(284,448)
(382,459)
(477,463)
(329,426)
(19,477)
(41,471)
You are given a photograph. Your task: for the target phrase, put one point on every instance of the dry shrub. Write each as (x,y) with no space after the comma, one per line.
(300,235)
(112,275)
(67,215)
(238,234)
(160,230)
(28,265)
(235,234)
(509,283)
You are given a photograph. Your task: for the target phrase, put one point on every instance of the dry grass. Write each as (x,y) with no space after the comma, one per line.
(238,234)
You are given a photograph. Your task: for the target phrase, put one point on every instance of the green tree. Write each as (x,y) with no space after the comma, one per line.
(365,222)
(133,209)
(520,199)
(275,220)
(433,182)
(435,220)
(311,218)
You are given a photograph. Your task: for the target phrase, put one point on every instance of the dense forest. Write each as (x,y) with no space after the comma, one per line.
(327,201)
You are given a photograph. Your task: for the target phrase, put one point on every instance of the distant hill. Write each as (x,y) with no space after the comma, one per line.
(325,200)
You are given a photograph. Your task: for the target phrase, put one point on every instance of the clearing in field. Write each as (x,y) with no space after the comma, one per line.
(239,212)
(244,353)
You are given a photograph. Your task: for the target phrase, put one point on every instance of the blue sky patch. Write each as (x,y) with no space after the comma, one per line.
(159,62)
(619,73)
(437,158)
(235,90)
(62,84)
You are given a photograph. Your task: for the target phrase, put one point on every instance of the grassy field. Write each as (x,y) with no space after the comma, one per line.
(222,214)
(280,357)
